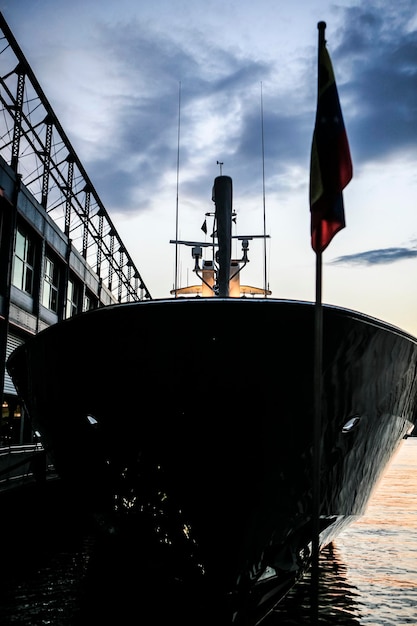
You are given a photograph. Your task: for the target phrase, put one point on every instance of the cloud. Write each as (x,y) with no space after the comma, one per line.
(383,256)
(127,73)
(378,50)
(217,102)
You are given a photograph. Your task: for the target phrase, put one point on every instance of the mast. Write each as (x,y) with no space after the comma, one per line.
(263,192)
(176,207)
(222,197)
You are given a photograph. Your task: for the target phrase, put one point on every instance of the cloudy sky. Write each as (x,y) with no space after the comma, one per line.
(138,84)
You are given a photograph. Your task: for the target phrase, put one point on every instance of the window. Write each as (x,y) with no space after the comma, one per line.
(50,285)
(89,302)
(24,260)
(73,292)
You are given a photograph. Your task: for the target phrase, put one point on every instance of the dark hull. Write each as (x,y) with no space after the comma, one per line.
(204,434)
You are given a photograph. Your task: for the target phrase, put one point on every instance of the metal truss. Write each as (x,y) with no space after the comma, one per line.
(36,147)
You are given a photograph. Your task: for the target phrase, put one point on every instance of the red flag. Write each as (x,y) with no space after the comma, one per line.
(331,165)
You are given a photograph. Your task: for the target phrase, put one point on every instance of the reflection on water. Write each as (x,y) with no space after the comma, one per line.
(44,553)
(381,548)
(338,599)
(368,577)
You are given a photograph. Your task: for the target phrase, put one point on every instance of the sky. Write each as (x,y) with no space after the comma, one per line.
(152,95)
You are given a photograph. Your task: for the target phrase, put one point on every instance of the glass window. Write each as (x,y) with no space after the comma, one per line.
(24,260)
(88,303)
(50,285)
(72,299)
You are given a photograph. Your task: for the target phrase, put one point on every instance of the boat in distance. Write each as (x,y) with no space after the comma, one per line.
(187,425)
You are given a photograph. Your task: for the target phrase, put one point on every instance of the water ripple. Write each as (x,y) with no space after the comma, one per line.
(367,578)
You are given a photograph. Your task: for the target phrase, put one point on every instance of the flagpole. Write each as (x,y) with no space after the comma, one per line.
(318,358)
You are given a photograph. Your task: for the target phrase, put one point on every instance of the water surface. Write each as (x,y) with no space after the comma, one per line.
(367,577)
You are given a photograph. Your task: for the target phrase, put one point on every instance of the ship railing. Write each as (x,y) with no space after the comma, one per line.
(23,464)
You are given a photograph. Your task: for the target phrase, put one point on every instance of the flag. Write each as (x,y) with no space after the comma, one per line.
(331,165)
(204,227)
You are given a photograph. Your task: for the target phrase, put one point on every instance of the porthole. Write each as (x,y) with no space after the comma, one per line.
(351,424)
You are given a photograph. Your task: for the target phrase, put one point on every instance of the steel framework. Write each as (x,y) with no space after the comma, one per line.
(34,144)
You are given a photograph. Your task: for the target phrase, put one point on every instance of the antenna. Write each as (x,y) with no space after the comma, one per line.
(176,209)
(221,166)
(263,189)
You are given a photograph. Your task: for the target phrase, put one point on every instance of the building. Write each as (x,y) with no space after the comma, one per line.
(60,253)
